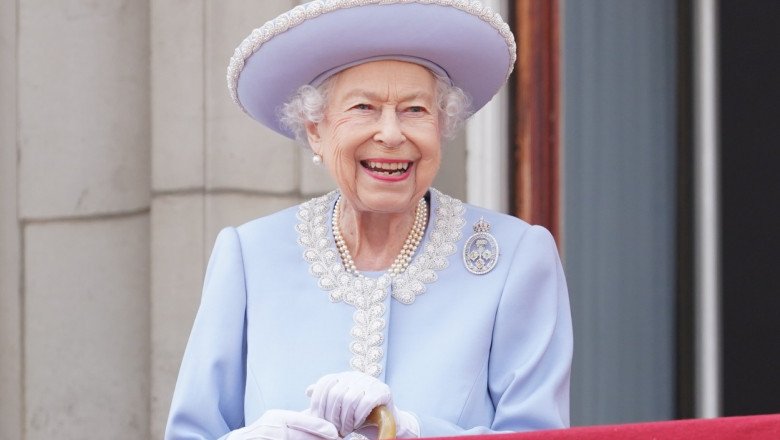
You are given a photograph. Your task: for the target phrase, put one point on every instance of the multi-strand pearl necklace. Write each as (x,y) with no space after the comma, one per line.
(410,245)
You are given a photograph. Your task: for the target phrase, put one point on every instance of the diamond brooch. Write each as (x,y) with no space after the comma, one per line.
(480,253)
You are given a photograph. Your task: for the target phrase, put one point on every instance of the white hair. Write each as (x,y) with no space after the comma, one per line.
(308,103)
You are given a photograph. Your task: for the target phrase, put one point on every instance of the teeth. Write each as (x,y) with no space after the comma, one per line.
(388,166)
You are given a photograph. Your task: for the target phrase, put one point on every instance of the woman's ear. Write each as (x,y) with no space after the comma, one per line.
(313,136)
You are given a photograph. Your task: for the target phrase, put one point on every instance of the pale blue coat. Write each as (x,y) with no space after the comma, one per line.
(472,354)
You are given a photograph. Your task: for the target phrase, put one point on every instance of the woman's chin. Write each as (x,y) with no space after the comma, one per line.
(389,196)
(387,201)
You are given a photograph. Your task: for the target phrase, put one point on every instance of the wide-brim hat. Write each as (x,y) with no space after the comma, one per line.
(463,40)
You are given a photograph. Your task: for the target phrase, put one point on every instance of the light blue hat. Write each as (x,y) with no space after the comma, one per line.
(462,40)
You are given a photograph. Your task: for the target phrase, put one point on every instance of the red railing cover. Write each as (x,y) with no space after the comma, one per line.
(765,427)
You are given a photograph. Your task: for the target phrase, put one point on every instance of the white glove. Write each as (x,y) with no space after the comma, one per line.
(345,399)
(277,424)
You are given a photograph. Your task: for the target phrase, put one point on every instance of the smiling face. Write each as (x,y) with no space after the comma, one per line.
(380,136)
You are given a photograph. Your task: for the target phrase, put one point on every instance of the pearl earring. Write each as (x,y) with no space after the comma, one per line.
(316,159)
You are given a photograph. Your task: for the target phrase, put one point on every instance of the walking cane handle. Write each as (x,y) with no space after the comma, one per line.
(383,419)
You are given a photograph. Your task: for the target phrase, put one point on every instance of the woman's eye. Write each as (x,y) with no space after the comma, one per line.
(361,107)
(416,109)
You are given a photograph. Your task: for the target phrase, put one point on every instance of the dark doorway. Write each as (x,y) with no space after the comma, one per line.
(750,173)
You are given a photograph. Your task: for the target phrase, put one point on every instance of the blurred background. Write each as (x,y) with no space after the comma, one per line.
(643,133)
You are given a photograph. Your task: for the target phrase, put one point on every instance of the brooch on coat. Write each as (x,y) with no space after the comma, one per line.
(480,253)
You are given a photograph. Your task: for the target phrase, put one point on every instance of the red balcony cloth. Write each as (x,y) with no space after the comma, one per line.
(764,427)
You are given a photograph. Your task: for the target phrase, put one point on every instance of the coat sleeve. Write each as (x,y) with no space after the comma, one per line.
(209,398)
(531,351)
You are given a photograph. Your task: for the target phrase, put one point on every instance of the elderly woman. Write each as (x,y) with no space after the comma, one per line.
(385,291)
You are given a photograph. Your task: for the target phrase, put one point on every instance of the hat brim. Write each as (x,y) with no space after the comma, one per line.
(471,50)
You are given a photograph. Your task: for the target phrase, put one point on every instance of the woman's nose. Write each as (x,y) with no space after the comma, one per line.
(389,132)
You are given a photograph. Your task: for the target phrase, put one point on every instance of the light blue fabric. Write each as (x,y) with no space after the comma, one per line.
(473,354)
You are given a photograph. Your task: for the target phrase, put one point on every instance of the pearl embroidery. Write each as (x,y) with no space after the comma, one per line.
(367,294)
(301,13)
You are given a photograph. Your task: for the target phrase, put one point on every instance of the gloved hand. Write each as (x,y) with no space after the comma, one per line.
(279,424)
(345,399)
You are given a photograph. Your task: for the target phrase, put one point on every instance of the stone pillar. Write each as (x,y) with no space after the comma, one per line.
(83,198)
(177,247)
(10,236)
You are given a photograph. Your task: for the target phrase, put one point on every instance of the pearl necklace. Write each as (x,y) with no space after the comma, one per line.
(410,245)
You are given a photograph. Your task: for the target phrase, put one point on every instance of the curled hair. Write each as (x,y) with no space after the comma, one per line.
(308,105)
(454,106)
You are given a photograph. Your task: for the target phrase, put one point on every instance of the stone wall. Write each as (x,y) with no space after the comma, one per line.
(10,235)
(75,218)
(121,158)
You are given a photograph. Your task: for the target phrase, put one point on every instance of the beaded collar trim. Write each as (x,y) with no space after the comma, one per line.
(301,13)
(367,294)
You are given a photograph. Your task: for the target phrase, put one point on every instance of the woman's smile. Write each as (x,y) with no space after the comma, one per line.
(389,170)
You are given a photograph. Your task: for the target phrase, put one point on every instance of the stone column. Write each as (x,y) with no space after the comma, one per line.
(10,235)
(249,170)
(177,247)
(83,198)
